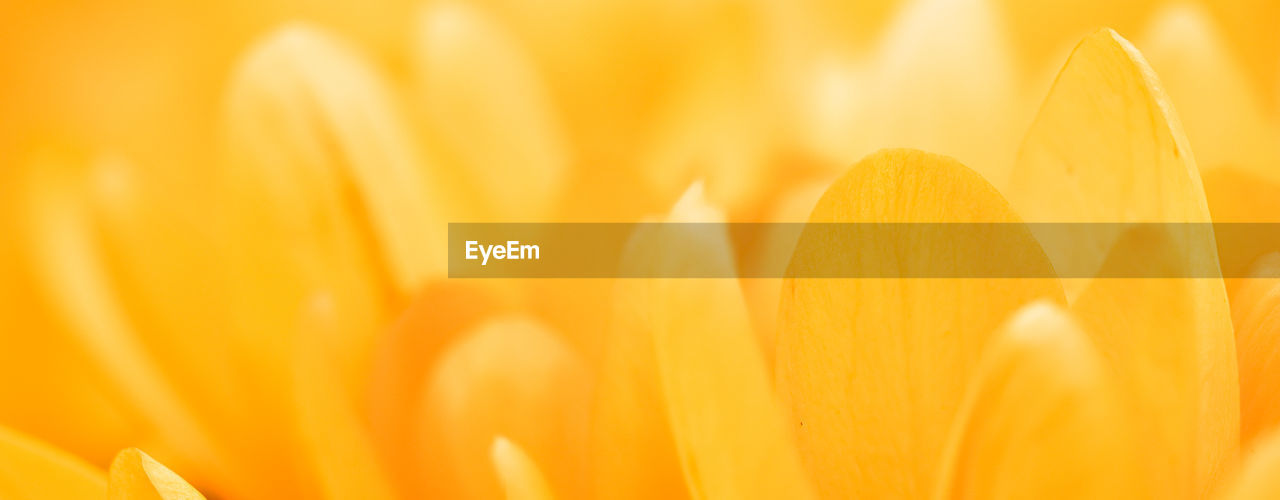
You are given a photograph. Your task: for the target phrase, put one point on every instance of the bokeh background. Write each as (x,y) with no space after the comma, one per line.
(150,269)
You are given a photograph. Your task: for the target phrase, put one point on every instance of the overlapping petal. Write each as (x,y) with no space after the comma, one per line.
(874,369)
(1107,147)
(1042,418)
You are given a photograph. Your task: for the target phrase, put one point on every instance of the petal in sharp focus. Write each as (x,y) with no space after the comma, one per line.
(1255,308)
(1042,419)
(489,112)
(134,475)
(32,470)
(874,369)
(520,477)
(512,377)
(726,422)
(1107,147)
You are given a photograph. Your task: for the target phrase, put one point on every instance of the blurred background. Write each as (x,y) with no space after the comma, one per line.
(156,159)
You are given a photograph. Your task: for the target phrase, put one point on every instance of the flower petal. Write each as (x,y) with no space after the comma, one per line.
(511,377)
(30,470)
(135,475)
(329,404)
(1042,418)
(725,420)
(1107,147)
(874,369)
(1255,307)
(520,477)
(1260,475)
(488,109)
(1219,104)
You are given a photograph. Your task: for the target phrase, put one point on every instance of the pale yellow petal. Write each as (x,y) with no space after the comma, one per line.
(489,111)
(874,369)
(520,477)
(1260,474)
(32,470)
(511,377)
(726,422)
(973,117)
(1218,102)
(135,475)
(1107,147)
(310,122)
(324,193)
(1042,418)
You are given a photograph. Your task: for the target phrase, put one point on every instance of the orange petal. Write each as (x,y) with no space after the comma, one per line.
(1255,308)
(135,475)
(1042,419)
(1260,475)
(30,470)
(874,369)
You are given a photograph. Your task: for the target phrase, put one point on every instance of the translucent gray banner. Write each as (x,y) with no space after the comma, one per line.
(860,250)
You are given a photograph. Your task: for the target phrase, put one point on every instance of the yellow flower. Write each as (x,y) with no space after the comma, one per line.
(256,295)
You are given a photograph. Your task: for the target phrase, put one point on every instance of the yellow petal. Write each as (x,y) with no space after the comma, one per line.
(135,475)
(510,377)
(520,477)
(330,404)
(75,230)
(311,126)
(1219,104)
(324,190)
(30,470)
(973,117)
(725,420)
(1107,147)
(1260,474)
(486,106)
(874,369)
(1042,419)
(1255,307)
(405,354)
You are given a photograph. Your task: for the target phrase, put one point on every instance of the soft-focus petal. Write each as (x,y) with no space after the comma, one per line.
(1219,104)
(135,475)
(1042,419)
(1107,147)
(32,470)
(874,369)
(323,193)
(1255,307)
(1260,473)
(971,116)
(75,234)
(404,356)
(511,377)
(488,110)
(520,477)
(331,407)
(726,423)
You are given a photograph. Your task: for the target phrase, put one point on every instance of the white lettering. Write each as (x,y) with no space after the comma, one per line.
(513,250)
